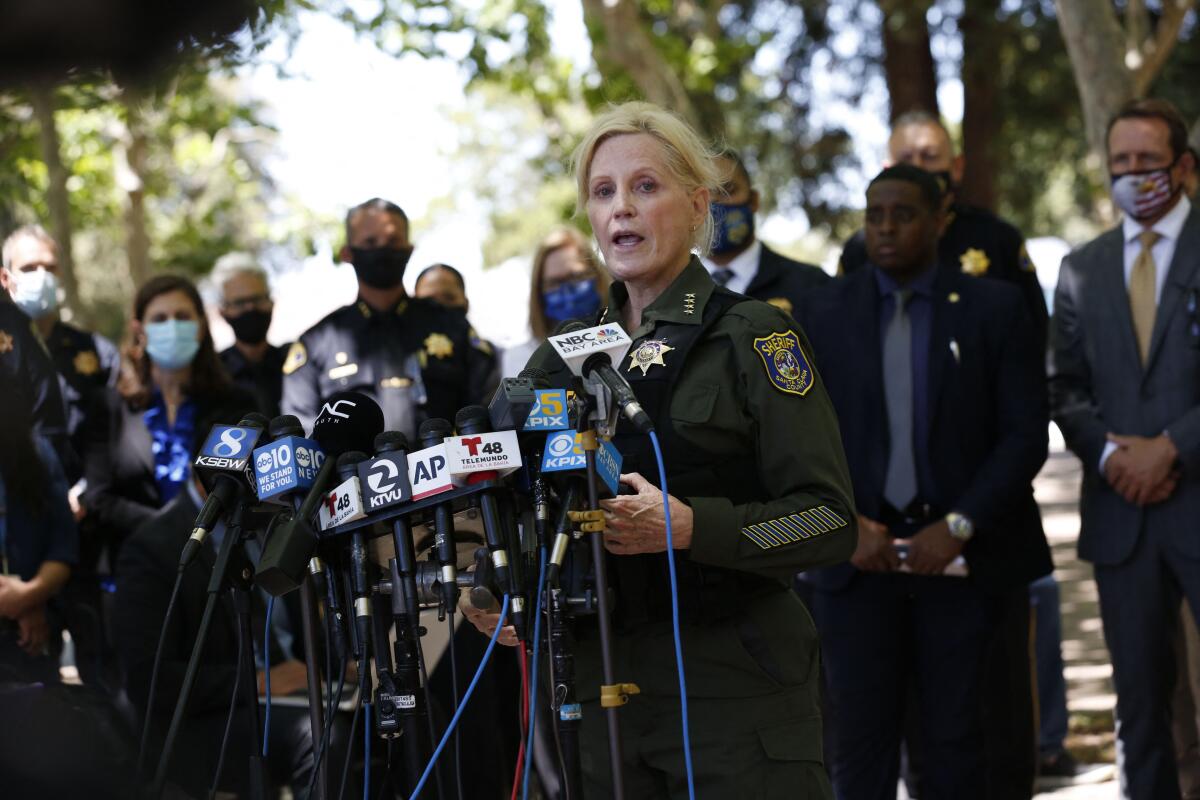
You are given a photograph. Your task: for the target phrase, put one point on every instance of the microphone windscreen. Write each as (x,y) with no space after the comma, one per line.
(348,421)
(285,425)
(253,419)
(433,431)
(472,419)
(568,327)
(536,376)
(347,463)
(390,441)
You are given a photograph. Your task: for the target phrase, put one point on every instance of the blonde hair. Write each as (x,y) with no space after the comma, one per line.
(557,239)
(689,161)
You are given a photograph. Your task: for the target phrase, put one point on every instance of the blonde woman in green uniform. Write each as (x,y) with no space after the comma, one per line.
(758,484)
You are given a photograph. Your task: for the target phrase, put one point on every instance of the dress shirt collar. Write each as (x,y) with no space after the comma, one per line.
(921,285)
(744,265)
(1169,227)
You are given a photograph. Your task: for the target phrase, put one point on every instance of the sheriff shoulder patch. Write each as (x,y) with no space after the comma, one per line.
(787,368)
(1025,261)
(297,357)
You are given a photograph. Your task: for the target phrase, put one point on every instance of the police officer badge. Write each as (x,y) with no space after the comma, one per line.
(86,363)
(438,345)
(647,354)
(786,366)
(974,262)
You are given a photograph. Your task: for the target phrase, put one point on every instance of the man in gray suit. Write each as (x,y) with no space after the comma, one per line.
(1125,390)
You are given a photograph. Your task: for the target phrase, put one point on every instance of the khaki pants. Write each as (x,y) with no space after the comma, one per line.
(1185,721)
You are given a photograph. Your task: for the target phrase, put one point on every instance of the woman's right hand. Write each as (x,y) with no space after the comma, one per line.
(486,622)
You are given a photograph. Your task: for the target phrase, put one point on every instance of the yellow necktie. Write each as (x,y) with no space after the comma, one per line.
(1142,282)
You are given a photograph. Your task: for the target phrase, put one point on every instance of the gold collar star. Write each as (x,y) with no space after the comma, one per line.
(647,354)
(6,342)
(689,303)
(438,345)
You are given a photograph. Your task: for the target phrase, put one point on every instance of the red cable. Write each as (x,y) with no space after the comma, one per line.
(523,660)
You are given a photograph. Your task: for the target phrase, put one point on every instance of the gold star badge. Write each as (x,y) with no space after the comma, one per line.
(6,342)
(86,363)
(438,345)
(952,297)
(974,261)
(782,303)
(647,354)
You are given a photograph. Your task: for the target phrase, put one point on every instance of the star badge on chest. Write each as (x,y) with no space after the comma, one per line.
(438,345)
(86,363)
(974,261)
(647,354)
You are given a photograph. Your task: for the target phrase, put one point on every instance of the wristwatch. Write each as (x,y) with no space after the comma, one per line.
(961,527)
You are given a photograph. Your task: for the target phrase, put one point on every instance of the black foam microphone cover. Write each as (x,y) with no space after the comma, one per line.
(348,421)
(285,425)
(473,419)
(391,441)
(433,431)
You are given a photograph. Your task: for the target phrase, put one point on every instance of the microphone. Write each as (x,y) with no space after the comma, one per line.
(389,464)
(344,504)
(222,467)
(427,469)
(348,421)
(479,454)
(592,353)
(288,464)
(516,398)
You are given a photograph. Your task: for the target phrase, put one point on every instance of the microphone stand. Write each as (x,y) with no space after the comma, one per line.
(233,569)
(316,707)
(612,694)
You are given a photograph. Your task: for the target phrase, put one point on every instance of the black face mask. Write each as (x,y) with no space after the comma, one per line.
(250,327)
(380,267)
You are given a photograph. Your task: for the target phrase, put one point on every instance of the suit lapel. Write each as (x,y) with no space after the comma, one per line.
(864,307)
(1110,278)
(768,268)
(941,333)
(1179,274)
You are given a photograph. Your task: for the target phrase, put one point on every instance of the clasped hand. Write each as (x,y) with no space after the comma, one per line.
(930,550)
(1142,469)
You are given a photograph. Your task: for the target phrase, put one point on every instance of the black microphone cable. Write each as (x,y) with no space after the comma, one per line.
(158,654)
(334,697)
(458,785)
(237,685)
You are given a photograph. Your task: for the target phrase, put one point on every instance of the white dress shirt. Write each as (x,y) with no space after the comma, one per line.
(744,267)
(1168,229)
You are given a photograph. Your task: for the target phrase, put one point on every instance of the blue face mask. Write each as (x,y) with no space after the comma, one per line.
(571,300)
(733,227)
(173,343)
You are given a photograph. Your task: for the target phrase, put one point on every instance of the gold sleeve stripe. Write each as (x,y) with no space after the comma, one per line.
(793,528)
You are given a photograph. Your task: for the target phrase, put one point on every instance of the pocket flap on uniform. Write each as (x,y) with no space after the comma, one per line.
(797,740)
(696,405)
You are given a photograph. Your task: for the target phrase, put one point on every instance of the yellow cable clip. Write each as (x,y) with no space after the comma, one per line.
(592,521)
(587,440)
(617,695)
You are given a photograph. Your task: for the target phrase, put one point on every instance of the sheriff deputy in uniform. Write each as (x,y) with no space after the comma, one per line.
(975,241)
(738,260)
(758,480)
(415,358)
(86,362)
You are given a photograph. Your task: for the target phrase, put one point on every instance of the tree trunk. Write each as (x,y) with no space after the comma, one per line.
(133,180)
(619,37)
(1096,46)
(981,37)
(57,200)
(907,59)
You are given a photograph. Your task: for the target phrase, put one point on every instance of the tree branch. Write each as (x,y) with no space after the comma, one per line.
(1166,36)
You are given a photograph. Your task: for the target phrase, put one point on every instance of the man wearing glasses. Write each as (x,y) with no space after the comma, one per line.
(254,364)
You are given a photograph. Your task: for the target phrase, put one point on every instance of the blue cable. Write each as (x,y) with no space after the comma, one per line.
(683,706)
(267,674)
(487,654)
(537,638)
(367,754)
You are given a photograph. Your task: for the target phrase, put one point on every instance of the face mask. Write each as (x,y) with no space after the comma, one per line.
(36,292)
(571,300)
(1144,195)
(734,227)
(380,267)
(250,327)
(172,344)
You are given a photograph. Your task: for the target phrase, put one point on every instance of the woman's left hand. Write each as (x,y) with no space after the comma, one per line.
(635,523)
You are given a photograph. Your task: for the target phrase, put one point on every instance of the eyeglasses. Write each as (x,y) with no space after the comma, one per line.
(262,301)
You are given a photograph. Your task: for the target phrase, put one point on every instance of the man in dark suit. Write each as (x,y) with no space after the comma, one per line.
(146,571)
(942,461)
(974,241)
(739,261)
(1125,388)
